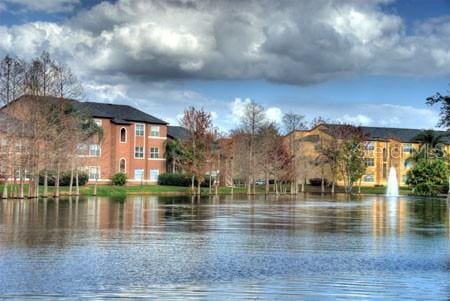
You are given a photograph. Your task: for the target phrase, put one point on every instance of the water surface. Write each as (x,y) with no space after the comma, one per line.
(312,247)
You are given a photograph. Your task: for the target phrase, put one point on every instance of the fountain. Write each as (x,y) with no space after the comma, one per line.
(392,186)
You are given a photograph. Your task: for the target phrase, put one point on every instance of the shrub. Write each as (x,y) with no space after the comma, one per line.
(119,179)
(318,182)
(428,177)
(64,178)
(178,179)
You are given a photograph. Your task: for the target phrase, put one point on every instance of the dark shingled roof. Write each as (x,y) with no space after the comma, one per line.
(177,132)
(403,135)
(119,113)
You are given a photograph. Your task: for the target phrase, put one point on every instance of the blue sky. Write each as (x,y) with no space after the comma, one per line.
(364,62)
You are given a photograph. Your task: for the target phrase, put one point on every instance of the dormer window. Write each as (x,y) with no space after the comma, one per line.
(123,135)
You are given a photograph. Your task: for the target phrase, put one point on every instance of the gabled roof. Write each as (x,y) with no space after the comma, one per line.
(119,113)
(400,134)
(177,132)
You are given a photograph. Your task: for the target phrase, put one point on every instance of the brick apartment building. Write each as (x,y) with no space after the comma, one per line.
(133,141)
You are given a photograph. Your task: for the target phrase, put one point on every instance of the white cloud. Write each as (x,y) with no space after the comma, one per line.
(50,6)
(359,119)
(274,114)
(299,42)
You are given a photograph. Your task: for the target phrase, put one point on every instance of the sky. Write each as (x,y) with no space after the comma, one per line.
(362,62)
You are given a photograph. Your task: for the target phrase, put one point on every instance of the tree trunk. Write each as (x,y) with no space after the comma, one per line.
(193,184)
(45,194)
(198,187)
(267,183)
(58,174)
(71,180)
(303,186)
(21,189)
(36,186)
(77,184)
(332,187)
(210,181)
(322,185)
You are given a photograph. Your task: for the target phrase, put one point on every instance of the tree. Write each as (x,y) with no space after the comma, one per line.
(428,176)
(444,102)
(174,154)
(293,122)
(252,120)
(197,145)
(351,160)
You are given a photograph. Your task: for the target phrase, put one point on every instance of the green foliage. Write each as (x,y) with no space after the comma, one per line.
(352,162)
(119,179)
(64,178)
(178,179)
(428,177)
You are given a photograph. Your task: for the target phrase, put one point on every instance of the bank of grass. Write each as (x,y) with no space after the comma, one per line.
(121,191)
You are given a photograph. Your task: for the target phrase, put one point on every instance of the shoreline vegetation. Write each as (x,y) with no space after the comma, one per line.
(161,190)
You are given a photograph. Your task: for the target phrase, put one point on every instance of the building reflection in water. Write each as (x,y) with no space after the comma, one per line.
(54,221)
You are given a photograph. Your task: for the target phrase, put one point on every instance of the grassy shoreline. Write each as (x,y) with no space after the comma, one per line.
(111,191)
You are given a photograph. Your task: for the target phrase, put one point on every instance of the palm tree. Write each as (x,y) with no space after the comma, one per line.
(431,145)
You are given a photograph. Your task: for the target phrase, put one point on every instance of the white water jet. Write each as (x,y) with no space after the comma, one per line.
(392,186)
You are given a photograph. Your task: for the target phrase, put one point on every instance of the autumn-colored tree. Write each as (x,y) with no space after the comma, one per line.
(198,144)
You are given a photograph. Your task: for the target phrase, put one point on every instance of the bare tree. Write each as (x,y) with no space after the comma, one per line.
(252,120)
(293,122)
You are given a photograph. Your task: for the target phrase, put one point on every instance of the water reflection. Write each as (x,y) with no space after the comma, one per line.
(225,248)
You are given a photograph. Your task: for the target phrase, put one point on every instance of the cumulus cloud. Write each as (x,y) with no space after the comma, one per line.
(297,42)
(359,119)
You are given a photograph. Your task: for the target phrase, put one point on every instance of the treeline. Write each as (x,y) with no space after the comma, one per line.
(42,132)
(259,151)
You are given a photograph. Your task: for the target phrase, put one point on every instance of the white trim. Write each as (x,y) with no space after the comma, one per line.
(159,130)
(89,172)
(100,121)
(99,150)
(135,127)
(120,135)
(157,159)
(122,158)
(157,137)
(143,152)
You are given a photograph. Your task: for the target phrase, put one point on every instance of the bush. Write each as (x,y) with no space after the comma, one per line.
(428,177)
(178,179)
(318,182)
(64,178)
(119,179)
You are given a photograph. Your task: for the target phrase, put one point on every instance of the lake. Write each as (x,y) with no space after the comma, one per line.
(288,248)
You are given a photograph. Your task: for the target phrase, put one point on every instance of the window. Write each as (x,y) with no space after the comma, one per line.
(139,152)
(3,145)
(407,148)
(154,173)
(384,154)
(139,174)
(155,131)
(369,161)
(139,129)
(370,146)
(154,152)
(407,164)
(94,173)
(122,165)
(404,178)
(94,150)
(384,170)
(368,178)
(123,135)
(82,149)
(98,122)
